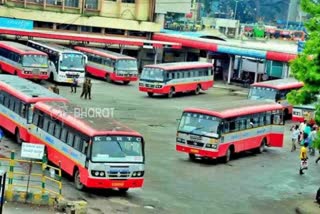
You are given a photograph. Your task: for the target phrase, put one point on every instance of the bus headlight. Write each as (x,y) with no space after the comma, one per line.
(180,140)
(212,146)
(158,86)
(138,174)
(98,173)
(140,84)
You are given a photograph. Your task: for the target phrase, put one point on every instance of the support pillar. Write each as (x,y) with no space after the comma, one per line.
(256,73)
(230,68)
(239,67)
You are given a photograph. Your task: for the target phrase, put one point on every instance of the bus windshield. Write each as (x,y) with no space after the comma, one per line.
(154,74)
(127,64)
(117,149)
(72,61)
(200,124)
(262,93)
(35,61)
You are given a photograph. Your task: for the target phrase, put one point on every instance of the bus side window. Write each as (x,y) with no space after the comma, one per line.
(11,105)
(226,128)
(268,118)
(45,124)
(17,106)
(84,146)
(23,110)
(70,138)
(276,119)
(262,120)
(51,127)
(63,136)
(242,123)
(35,119)
(41,120)
(77,143)
(6,100)
(1,97)
(57,131)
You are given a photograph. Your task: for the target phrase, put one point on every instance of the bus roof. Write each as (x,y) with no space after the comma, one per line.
(180,65)
(19,48)
(105,53)
(237,108)
(26,90)
(308,106)
(280,84)
(54,47)
(70,114)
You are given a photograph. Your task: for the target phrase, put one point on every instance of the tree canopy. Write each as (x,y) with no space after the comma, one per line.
(306,67)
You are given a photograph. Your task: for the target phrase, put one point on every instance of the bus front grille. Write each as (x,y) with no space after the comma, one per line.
(114,174)
(194,143)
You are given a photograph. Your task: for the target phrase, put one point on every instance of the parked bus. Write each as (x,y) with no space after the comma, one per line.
(275,90)
(170,78)
(110,66)
(230,128)
(98,152)
(23,61)
(64,63)
(17,98)
(301,113)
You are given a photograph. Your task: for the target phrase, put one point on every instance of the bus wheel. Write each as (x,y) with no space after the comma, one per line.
(150,94)
(18,138)
(126,82)
(123,190)
(108,79)
(262,146)
(192,157)
(77,181)
(197,91)
(171,92)
(228,156)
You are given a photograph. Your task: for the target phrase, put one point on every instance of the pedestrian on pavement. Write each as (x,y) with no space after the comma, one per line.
(313,138)
(301,128)
(74,85)
(55,89)
(89,88)
(294,137)
(84,89)
(1,134)
(303,158)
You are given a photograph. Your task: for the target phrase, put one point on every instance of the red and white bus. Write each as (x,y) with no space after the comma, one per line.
(98,152)
(275,90)
(170,78)
(23,61)
(301,113)
(110,65)
(17,98)
(230,128)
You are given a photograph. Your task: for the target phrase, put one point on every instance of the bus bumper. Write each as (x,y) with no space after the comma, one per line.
(153,90)
(200,152)
(107,183)
(124,78)
(35,77)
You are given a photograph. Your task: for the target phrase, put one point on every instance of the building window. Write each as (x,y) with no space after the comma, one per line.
(128,1)
(72,3)
(92,4)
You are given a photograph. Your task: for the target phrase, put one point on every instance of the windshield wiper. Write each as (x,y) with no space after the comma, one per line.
(121,148)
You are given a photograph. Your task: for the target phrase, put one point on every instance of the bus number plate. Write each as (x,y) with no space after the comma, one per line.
(117,184)
(194,150)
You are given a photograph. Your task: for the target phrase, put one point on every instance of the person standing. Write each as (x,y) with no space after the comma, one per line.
(302,126)
(89,88)
(313,137)
(84,89)
(303,158)
(74,85)
(294,137)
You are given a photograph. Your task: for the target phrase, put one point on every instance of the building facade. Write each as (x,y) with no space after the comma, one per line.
(116,17)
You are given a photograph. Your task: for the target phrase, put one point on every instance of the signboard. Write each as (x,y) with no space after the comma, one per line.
(16,23)
(33,151)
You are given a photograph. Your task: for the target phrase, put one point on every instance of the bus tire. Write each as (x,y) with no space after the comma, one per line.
(171,92)
(197,91)
(192,156)
(108,79)
(123,190)
(150,94)
(228,155)
(126,82)
(77,182)
(17,136)
(262,146)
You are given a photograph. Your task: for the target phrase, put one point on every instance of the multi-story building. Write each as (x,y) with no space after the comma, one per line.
(120,17)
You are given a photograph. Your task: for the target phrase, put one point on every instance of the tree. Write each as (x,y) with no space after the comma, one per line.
(306,67)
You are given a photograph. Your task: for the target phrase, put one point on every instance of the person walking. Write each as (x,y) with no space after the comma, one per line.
(302,126)
(74,85)
(313,138)
(84,89)
(294,137)
(89,88)
(303,158)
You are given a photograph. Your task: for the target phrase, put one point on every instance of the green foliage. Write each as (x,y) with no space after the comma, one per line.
(306,67)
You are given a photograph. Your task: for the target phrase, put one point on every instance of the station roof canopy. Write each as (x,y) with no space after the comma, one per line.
(89,38)
(271,50)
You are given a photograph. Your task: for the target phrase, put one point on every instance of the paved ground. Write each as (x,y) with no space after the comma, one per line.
(266,183)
